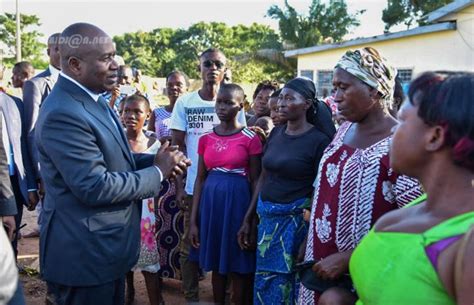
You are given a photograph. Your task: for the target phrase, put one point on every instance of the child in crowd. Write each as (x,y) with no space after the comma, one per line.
(266,124)
(228,170)
(136,110)
(273,105)
(261,96)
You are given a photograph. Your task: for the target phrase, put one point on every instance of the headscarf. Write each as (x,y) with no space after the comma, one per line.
(370,67)
(319,114)
(303,86)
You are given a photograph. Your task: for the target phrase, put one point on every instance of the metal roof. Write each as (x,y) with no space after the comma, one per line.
(451,8)
(445,26)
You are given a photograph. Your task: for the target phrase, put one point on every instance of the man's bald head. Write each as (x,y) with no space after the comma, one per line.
(87,55)
(53,50)
(53,40)
(79,39)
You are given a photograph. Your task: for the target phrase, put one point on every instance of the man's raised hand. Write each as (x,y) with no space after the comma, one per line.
(171,161)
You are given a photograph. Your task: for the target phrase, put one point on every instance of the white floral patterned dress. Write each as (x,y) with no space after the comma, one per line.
(149,259)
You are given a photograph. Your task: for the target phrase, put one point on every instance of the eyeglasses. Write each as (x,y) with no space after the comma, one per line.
(208,63)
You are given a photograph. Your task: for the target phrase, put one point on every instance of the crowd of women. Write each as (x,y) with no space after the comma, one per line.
(290,210)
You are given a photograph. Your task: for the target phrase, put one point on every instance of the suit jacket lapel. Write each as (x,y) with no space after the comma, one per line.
(49,81)
(100,113)
(118,125)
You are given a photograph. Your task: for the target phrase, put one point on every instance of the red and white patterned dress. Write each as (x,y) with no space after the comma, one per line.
(354,187)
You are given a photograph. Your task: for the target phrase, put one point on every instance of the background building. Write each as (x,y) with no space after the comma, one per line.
(446,43)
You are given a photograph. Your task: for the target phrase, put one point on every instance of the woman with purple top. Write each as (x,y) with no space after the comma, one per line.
(422,254)
(177,83)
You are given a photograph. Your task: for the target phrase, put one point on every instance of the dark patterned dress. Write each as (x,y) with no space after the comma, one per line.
(169,220)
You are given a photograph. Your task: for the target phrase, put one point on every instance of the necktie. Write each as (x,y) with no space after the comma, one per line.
(103,103)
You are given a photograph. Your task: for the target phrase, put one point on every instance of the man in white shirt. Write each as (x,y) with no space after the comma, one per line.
(19,162)
(8,269)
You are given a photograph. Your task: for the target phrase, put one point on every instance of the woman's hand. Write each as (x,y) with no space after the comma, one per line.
(253,233)
(181,198)
(302,251)
(243,236)
(194,235)
(247,235)
(333,266)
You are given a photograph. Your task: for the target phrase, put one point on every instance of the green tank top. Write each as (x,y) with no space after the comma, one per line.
(393,268)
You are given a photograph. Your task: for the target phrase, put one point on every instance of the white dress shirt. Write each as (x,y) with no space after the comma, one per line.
(54,72)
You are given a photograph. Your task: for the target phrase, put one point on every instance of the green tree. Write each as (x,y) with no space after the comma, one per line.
(254,51)
(31,48)
(322,22)
(409,12)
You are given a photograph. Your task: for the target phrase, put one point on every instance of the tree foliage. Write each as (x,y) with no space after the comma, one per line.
(247,47)
(409,12)
(322,22)
(31,48)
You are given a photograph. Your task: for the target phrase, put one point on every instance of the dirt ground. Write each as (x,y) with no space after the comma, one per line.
(35,289)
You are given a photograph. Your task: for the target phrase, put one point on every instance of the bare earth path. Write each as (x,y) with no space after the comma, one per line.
(35,289)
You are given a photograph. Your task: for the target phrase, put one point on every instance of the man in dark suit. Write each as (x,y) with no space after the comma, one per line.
(35,92)
(20,166)
(90,235)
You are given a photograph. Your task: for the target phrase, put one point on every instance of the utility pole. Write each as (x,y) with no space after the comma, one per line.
(18,34)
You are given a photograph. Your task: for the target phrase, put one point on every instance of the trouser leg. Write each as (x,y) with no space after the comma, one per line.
(189,269)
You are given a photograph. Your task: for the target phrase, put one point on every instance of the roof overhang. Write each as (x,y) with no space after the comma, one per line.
(433,28)
(451,8)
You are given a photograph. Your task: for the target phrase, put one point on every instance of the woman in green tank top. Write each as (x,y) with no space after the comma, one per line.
(423,254)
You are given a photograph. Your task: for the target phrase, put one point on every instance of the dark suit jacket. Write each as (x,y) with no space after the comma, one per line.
(12,109)
(7,199)
(35,92)
(91,229)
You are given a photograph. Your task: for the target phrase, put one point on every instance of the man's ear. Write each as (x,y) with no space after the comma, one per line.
(48,51)
(435,138)
(74,65)
(198,67)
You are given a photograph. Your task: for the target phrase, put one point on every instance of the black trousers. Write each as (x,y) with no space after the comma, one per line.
(111,293)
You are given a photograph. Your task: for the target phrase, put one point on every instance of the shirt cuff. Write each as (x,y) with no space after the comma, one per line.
(159,172)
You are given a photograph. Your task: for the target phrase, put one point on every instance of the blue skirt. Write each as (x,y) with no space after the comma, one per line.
(225,199)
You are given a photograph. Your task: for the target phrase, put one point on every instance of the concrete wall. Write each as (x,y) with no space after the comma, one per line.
(448,50)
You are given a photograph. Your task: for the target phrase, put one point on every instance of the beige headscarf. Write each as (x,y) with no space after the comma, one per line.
(370,67)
